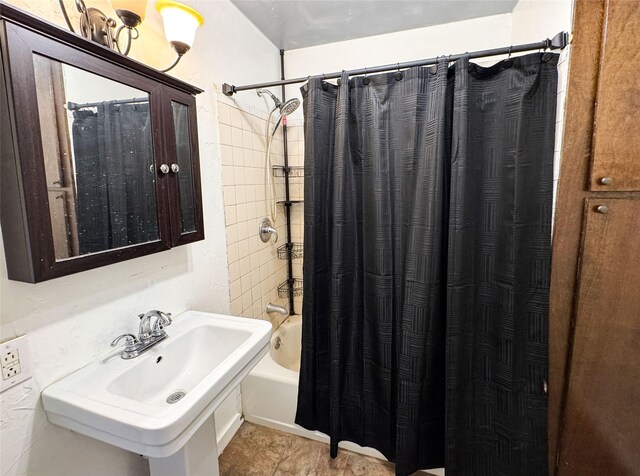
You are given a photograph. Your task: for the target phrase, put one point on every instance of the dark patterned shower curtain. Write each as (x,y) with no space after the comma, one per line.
(427,260)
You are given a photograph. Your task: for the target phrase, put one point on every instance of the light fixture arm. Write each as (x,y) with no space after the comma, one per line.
(130,38)
(85,21)
(96,26)
(173,65)
(63,9)
(180,48)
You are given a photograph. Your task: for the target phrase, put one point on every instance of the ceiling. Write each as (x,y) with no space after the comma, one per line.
(291,24)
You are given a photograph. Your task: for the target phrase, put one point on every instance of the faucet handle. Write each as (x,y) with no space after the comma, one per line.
(265,231)
(166,317)
(163,320)
(129,343)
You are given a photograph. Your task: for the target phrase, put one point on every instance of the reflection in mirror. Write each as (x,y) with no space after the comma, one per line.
(96,136)
(185,173)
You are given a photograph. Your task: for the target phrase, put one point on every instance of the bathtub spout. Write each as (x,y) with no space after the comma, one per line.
(279,309)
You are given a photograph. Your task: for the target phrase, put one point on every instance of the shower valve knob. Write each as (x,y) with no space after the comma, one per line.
(266,230)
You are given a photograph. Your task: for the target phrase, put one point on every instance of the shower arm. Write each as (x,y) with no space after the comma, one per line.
(277,101)
(558,42)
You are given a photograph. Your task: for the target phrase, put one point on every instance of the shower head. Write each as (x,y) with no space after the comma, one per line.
(285,108)
(289,106)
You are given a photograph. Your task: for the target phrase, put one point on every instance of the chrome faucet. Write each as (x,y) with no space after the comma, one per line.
(148,331)
(279,309)
(149,334)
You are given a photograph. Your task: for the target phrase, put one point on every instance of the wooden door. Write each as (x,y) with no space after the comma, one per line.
(616,142)
(601,434)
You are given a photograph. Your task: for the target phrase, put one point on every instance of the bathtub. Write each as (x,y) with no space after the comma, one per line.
(270,391)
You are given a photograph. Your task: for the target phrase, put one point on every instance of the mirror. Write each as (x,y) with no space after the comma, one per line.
(98,155)
(184,161)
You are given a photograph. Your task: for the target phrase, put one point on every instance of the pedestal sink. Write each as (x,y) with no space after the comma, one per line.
(161,403)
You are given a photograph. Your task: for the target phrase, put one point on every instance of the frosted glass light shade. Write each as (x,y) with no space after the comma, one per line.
(180,22)
(139,7)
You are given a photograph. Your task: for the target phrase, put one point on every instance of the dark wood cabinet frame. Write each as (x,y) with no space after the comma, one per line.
(177,237)
(589,20)
(24,207)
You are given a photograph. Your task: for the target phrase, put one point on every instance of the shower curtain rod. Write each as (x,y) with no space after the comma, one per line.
(74,105)
(558,42)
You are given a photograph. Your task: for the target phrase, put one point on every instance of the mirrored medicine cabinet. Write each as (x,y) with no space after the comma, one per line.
(99,154)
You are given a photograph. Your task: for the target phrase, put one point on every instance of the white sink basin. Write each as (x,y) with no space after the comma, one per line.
(124,402)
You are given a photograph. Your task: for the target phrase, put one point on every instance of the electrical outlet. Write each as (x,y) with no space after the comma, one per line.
(9,357)
(14,357)
(10,370)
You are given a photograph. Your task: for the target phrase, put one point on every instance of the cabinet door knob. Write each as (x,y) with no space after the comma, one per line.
(602,209)
(175,168)
(164,168)
(606,181)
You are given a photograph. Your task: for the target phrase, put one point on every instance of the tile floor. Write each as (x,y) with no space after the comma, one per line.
(260,451)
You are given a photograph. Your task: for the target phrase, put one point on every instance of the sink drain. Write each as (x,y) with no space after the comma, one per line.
(175,396)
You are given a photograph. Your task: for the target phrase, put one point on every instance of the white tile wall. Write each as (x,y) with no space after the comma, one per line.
(254,269)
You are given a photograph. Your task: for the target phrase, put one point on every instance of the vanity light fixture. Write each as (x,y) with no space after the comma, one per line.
(180,24)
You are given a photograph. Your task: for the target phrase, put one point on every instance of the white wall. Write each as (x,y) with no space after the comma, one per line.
(71,320)
(535,20)
(457,37)
(531,21)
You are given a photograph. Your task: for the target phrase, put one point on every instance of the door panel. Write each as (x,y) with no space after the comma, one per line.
(602,416)
(183,167)
(185,194)
(616,148)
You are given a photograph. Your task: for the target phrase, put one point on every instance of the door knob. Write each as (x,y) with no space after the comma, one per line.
(164,168)
(606,181)
(175,168)
(602,209)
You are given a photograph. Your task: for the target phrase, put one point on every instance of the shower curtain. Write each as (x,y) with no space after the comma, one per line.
(427,260)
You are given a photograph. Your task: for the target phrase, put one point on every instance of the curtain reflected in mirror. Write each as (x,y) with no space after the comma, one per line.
(185,173)
(98,160)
